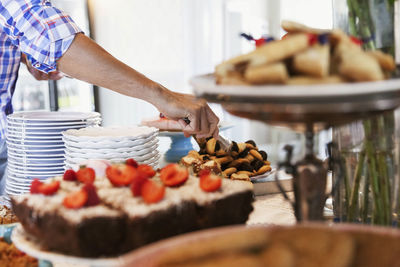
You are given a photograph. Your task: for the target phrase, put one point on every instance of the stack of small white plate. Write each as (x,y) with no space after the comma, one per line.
(35,146)
(112,143)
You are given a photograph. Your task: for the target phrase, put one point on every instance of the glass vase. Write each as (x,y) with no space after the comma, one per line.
(366,171)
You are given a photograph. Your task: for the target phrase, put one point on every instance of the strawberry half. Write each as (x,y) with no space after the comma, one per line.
(86,175)
(210,182)
(93,198)
(121,174)
(152,192)
(204,172)
(34,189)
(147,170)
(76,199)
(174,175)
(49,188)
(70,175)
(137,183)
(131,162)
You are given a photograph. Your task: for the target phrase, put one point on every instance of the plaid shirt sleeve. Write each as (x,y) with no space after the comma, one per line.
(41,31)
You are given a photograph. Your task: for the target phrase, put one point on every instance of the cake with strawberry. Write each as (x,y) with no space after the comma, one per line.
(86,215)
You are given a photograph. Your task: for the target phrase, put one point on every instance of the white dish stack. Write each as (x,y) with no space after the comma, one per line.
(35,146)
(115,144)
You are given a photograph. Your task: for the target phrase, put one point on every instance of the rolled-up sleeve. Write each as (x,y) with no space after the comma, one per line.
(42,32)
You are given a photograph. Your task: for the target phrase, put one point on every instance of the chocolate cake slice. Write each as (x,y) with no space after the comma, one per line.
(122,222)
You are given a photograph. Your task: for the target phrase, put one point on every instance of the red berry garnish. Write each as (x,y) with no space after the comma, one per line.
(152,192)
(70,175)
(356,40)
(86,175)
(121,174)
(49,188)
(35,186)
(174,175)
(147,170)
(93,198)
(210,183)
(131,162)
(204,172)
(312,38)
(76,199)
(137,183)
(260,42)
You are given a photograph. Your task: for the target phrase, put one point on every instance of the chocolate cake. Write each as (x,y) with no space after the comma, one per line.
(121,221)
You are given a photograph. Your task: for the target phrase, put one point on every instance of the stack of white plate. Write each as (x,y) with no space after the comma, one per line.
(35,146)
(112,143)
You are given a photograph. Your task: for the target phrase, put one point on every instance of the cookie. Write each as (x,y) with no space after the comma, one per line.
(241,177)
(210,146)
(264,169)
(385,61)
(229,171)
(256,154)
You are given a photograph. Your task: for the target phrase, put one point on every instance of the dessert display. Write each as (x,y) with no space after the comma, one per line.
(306,56)
(301,245)
(84,214)
(241,162)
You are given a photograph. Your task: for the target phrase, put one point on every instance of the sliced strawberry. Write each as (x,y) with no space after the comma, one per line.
(35,186)
(70,175)
(174,175)
(147,170)
(136,185)
(210,183)
(152,192)
(121,174)
(204,172)
(49,188)
(131,162)
(93,198)
(76,199)
(86,175)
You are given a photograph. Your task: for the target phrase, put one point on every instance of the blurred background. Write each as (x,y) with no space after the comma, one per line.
(171,41)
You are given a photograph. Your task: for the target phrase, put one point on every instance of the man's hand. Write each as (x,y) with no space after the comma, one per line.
(39,75)
(203,121)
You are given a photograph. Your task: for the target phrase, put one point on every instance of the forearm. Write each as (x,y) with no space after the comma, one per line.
(85,60)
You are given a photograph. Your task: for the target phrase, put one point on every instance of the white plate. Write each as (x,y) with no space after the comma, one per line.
(109,154)
(49,116)
(32,152)
(121,158)
(107,143)
(34,173)
(28,245)
(45,157)
(12,192)
(39,161)
(41,142)
(28,163)
(111,133)
(26,180)
(32,168)
(21,134)
(47,124)
(205,84)
(152,144)
(34,137)
(34,147)
(16,186)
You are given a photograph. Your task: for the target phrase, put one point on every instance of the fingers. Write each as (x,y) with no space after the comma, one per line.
(214,120)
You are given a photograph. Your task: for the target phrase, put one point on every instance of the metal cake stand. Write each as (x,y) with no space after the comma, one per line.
(305,108)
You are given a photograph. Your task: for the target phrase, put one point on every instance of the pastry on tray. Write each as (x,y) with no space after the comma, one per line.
(306,56)
(241,162)
(86,215)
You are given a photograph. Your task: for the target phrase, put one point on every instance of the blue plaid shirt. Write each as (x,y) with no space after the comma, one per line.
(33,27)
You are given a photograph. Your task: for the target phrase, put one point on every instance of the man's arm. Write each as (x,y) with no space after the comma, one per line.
(85,60)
